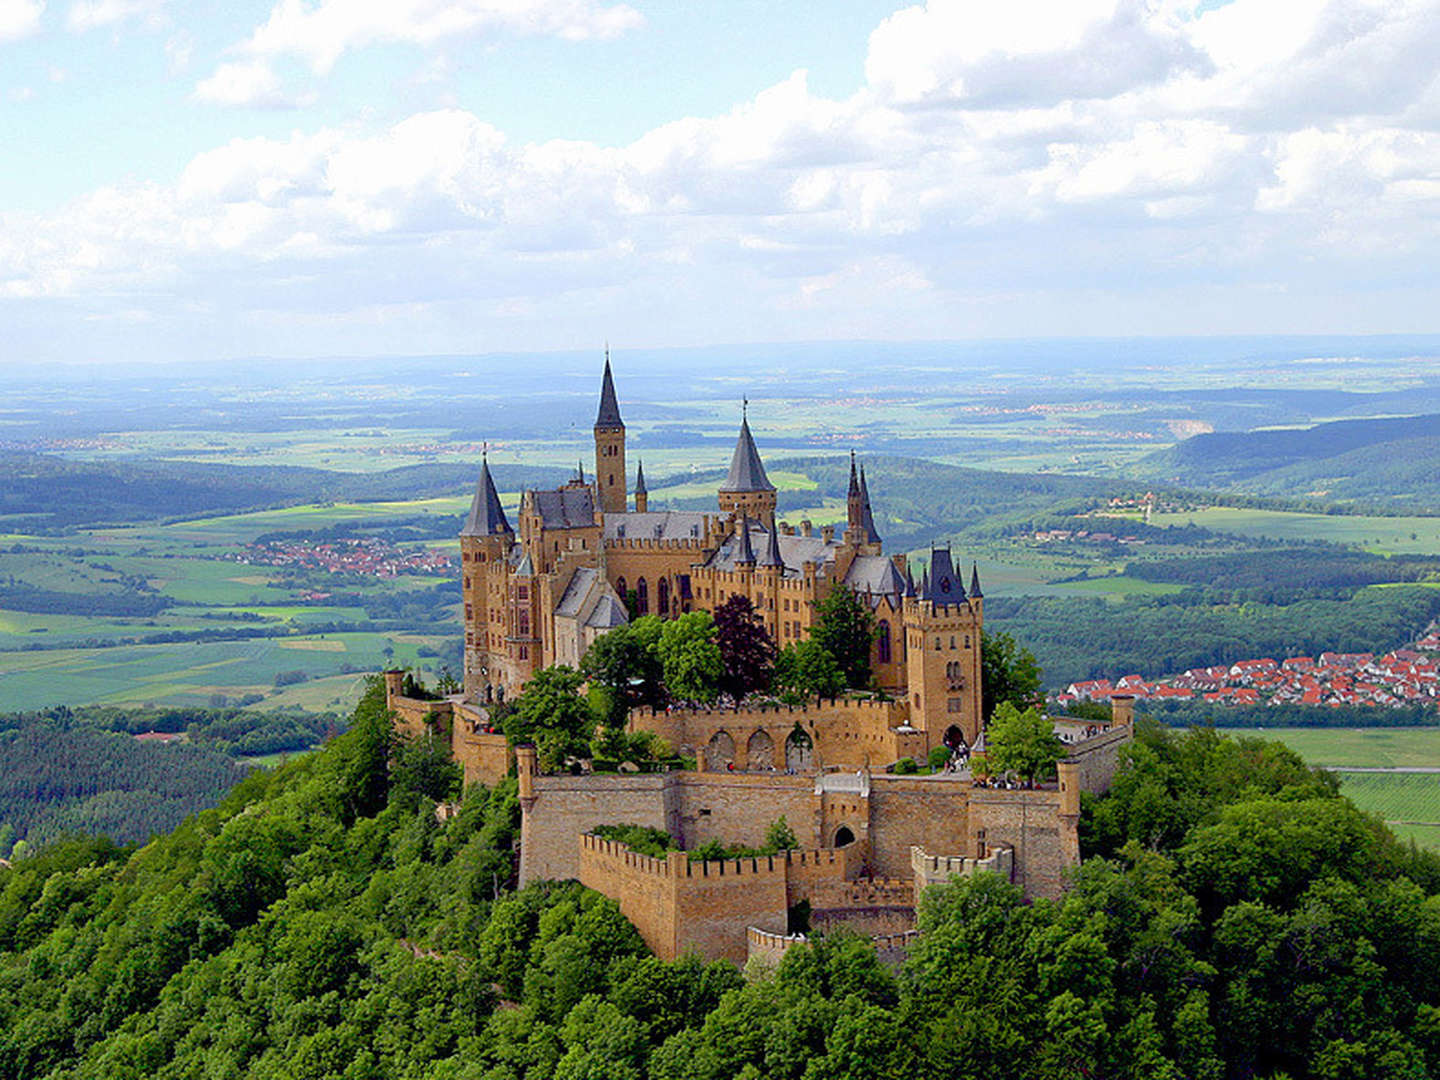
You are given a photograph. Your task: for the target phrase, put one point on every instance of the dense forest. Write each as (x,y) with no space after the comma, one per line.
(1235,918)
(1077,638)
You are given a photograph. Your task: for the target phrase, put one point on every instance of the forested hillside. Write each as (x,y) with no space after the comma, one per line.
(1236,919)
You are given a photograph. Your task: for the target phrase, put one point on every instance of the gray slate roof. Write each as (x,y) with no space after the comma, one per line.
(609,414)
(876,575)
(867,519)
(795,551)
(942,583)
(565,508)
(581,582)
(607,615)
(487,516)
(747,471)
(640,478)
(656,525)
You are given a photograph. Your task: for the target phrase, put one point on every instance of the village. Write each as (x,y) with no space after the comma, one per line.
(1405,676)
(358,555)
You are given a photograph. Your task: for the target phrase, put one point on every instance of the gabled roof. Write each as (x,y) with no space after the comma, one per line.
(571,507)
(608,614)
(875,575)
(656,525)
(487,516)
(609,414)
(573,598)
(747,472)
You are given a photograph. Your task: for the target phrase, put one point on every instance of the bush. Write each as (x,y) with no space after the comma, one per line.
(938,756)
(906,766)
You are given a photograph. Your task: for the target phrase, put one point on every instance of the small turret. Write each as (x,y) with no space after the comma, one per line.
(975,593)
(642,496)
(487,516)
(746,555)
(747,489)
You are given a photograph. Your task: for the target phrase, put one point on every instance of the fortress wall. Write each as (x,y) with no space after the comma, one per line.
(485,758)
(410,713)
(717,901)
(939,869)
(738,808)
(566,806)
(1046,842)
(868,906)
(1098,758)
(811,871)
(906,810)
(770,947)
(643,887)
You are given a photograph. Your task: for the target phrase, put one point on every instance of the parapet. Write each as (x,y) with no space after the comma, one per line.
(938,869)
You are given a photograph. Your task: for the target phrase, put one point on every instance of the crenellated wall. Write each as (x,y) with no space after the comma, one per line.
(484,756)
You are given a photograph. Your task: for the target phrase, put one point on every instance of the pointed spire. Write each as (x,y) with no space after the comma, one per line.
(747,471)
(943,584)
(909,580)
(487,516)
(609,414)
(580,470)
(640,479)
(771,555)
(747,552)
(854,492)
(975,592)
(867,518)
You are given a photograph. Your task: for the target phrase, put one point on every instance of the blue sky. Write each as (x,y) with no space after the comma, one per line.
(318,177)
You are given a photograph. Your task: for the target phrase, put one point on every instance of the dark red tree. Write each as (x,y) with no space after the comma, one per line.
(746,648)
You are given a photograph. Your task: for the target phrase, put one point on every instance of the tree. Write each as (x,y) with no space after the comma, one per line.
(626,663)
(1023,741)
(1008,672)
(807,669)
(690,657)
(552,714)
(779,836)
(746,648)
(846,628)
(423,768)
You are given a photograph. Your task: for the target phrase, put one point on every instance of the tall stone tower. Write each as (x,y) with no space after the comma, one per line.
(610,475)
(747,490)
(485,540)
(942,628)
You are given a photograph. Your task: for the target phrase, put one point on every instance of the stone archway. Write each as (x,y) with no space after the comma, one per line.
(955,738)
(799,750)
(720,751)
(844,837)
(760,752)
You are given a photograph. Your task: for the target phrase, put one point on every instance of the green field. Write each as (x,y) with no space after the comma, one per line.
(1375,748)
(1384,535)
(1404,798)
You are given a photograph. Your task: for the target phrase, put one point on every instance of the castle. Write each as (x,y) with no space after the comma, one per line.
(870,837)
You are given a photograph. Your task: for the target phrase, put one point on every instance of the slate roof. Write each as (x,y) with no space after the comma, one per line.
(573,598)
(770,550)
(867,519)
(747,471)
(975,580)
(942,583)
(565,508)
(640,478)
(487,516)
(608,614)
(745,552)
(795,551)
(656,525)
(875,574)
(609,414)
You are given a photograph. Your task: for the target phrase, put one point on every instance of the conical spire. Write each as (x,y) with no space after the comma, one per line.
(771,555)
(747,552)
(640,479)
(909,580)
(747,472)
(487,516)
(609,414)
(975,592)
(580,471)
(854,492)
(867,519)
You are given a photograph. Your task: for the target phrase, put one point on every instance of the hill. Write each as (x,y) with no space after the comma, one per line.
(1380,462)
(1236,918)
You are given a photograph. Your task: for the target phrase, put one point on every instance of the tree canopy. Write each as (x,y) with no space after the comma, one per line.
(1024,742)
(1008,672)
(846,629)
(746,648)
(551,713)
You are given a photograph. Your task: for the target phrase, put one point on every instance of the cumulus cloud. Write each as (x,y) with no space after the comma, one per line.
(995,173)
(321,32)
(19,18)
(247,82)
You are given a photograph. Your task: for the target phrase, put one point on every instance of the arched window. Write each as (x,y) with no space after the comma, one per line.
(642,597)
(882,642)
(620,588)
(662,596)
(844,837)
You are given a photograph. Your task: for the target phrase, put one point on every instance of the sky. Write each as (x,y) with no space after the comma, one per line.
(207,181)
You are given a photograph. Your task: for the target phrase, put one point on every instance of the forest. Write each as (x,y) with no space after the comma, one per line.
(1076,638)
(1234,918)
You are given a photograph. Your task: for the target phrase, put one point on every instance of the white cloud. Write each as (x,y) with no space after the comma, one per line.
(321,32)
(94,14)
(248,82)
(19,18)
(1001,180)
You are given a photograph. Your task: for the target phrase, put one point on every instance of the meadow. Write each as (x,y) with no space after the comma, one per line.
(1380,534)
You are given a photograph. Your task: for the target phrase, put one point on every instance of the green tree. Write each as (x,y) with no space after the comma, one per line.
(1008,672)
(552,714)
(807,669)
(780,836)
(424,769)
(690,657)
(846,629)
(1023,741)
(746,648)
(625,662)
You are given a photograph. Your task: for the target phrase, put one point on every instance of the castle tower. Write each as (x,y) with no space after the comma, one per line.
(870,536)
(610,447)
(747,490)
(854,508)
(942,628)
(642,496)
(485,540)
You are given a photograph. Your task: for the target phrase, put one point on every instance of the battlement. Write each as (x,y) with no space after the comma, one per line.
(938,869)
(867,706)
(652,543)
(678,866)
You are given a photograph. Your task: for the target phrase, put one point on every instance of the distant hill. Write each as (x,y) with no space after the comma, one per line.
(41,492)
(1387,462)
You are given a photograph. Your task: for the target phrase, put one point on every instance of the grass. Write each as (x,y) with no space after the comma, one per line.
(1383,535)
(1410,798)
(1383,748)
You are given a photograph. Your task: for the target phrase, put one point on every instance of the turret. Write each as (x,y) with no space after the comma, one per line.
(854,508)
(642,497)
(747,490)
(485,540)
(609,447)
(942,660)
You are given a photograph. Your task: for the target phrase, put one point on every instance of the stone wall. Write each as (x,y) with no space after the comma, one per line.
(1045,841)
(564,807)
(1098,758)
(905,810)
(939,869)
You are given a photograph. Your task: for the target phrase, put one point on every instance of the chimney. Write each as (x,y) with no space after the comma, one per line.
(827,533)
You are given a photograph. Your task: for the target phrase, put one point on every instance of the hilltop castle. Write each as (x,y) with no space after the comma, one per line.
(541,595)
(870,837)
